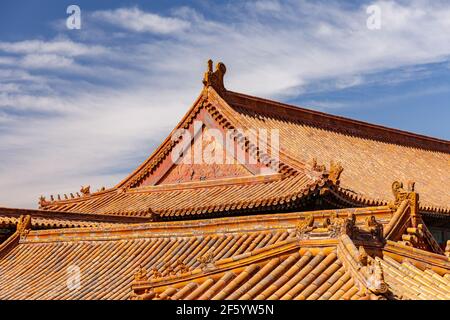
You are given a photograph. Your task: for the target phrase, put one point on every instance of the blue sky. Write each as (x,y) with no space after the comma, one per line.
(86,106)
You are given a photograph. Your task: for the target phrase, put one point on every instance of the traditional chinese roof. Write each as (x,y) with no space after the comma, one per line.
(352,160)
(361,253)
(202,198)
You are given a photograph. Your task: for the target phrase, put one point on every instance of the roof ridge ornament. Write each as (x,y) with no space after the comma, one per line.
(401,194)
(43,202)
(375,277)
(304,226)
(141,274)
(335,172)
(214,79)
(313,164)
(155,273)
(85,190)
(207,261)
(24,225)
(398,191)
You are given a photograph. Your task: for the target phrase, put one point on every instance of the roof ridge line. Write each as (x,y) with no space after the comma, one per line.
(226,110)
(358,198)
(48,203)
(285,158)
(74,216)
(188,228)
(261,178)
(126,181)
(424,256)
(341,119)
(11,242)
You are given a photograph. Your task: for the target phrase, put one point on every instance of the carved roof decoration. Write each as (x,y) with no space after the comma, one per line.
(407,225)
(215,78)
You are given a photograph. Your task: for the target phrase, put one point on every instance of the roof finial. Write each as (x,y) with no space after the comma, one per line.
(140,274)
(335,171)
(24,225)
(42,202)
(210,65)
(215,79)
(85,190)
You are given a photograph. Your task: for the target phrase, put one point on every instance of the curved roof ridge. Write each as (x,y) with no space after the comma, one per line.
(439,144)
(185,228)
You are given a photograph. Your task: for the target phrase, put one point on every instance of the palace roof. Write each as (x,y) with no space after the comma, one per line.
(315,216)
(354,161)
(362,253)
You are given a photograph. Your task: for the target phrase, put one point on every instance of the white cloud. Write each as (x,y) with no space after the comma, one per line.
(113,102)
(347,82)
(7,60)
(46,61)
(266,5)
(9,87)
(61,47)
(323,105)
(56,155)
(31,102)
(134,19)
(9,75)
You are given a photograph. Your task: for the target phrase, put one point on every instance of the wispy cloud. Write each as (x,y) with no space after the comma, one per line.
(62,47)
(134,19)
(266,5)
(46,61)
(85,107)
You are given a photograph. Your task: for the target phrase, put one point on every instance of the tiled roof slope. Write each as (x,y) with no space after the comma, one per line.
(282,256)
(408,281)
(320,264)
(306,275)
(200,198)
(301,275)
(108,257)
(372,156)
(106,267)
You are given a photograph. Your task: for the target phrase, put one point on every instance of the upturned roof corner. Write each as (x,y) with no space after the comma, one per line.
(407,225)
